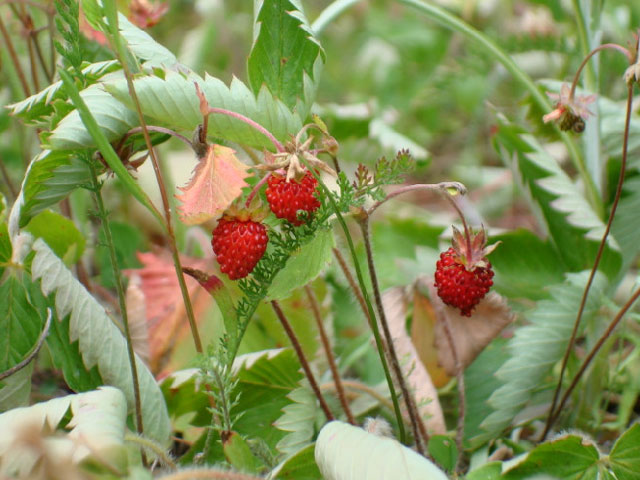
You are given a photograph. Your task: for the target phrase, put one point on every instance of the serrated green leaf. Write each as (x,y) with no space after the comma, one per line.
(569,457)
(172,101)
(264,381)
(537,346)
(298,419)
(100,341)
(299,466)
(34,108)
(239,455)
(625,454)
(285,56)
(20,323)
(568,218)
(60,234)
(111,115)
(50,178)
(16,389)
(303,266)
(345,452)
(143,46)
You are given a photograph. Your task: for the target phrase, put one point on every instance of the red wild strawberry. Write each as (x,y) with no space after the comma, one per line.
(287,198)
(463,273)
(239,244)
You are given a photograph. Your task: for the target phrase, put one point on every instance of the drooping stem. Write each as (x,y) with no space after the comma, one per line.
(596,348)
(303,359)
(625,145)
(34,351)
(418,433)
(120,54)
(106,228)
(444,186)
(611,46)
(315,309)
(461,392)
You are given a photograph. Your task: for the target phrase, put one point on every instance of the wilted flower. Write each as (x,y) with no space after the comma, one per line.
(570,111)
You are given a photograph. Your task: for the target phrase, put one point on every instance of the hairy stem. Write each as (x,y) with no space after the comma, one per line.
(418,433)
(120,54)
(371,316)
(625,144)
(255,125)
(461,392)
(152,446)
(315,308)
(444,186)
(303,359)
(611,46)
(106,228)
(350,280)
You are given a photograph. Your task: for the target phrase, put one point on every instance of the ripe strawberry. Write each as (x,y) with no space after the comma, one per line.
(239,244)
(287,197)
(463,273)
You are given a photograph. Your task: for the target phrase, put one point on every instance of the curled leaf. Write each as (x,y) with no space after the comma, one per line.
(217,181)
(345,452)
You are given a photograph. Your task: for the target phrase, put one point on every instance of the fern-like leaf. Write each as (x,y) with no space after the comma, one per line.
(537,346)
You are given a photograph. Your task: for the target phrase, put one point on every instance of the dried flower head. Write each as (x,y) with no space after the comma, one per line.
(570,110)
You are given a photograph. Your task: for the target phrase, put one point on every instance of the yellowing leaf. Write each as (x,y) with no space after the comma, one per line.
(217,181)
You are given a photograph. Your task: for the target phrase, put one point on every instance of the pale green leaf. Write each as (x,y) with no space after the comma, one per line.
(16,389)
(37,106)
(97,426)
(50,178)
(111,115)
(100,341)
(303,266)
(298,420)
(285,56)
(143,46)
(537,346)
(345,452)
(172,101)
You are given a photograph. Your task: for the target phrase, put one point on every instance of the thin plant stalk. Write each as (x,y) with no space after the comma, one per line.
(603,338)
(461,392)
(350,280)
(119,51)
(303,359)
(14,58)
(625,144)
(106,228)
(419,431)
(315,309)
(444,186)
(7,180)
(371,313)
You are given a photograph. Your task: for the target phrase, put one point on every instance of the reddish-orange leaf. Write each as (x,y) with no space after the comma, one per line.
(217,181)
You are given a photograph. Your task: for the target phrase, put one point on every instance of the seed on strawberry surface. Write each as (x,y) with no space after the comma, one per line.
(463,274)
(287,198)
(239,245)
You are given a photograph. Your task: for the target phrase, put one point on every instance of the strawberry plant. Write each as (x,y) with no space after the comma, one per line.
(319,240)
